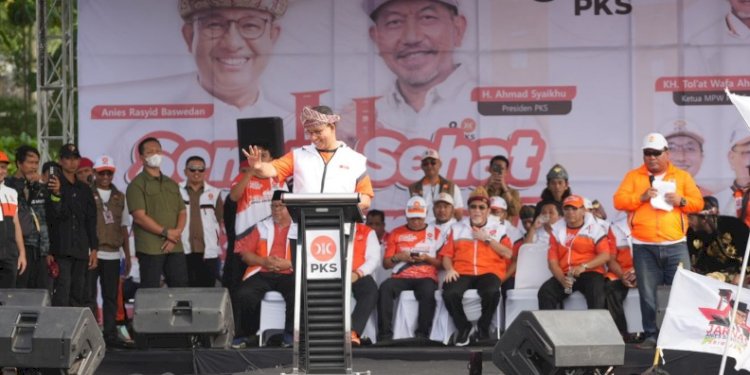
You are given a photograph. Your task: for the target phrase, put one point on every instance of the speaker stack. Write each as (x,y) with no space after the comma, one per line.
(560,342)
(183,318)
(35,335)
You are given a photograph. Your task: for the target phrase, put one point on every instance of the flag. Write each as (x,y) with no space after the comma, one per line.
(742,103)
(698,315)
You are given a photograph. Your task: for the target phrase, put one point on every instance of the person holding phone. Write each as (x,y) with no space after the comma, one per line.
(412,253)
(497,186)
(71,220)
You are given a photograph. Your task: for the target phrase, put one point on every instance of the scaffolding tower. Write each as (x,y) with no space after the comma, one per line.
(55,77)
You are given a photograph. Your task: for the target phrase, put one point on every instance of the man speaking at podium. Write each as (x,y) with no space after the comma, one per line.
(325,166)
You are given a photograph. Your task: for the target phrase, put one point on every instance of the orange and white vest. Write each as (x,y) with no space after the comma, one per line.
(266,232)
(340,175)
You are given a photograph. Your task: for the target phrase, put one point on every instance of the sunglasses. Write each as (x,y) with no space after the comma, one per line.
(105,173)
(201,170)
(654,153)
(477,207)
(429,162)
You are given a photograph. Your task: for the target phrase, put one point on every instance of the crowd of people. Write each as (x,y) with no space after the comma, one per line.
(66,228)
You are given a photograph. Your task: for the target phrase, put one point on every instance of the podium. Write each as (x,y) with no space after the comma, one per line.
(322,264)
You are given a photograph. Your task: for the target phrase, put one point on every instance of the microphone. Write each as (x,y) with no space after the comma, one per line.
(651,180)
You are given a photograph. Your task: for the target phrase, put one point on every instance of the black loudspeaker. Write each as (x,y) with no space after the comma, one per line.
(183,317)
(24,297)
(559,342)
(64,338)
(261,131)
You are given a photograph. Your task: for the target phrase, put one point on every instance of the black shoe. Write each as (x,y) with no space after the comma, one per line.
(463,337)
(115,344)
(288,340)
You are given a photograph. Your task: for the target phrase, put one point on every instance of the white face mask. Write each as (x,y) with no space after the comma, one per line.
(154,161)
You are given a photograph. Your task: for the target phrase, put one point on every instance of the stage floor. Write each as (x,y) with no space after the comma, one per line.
(379,360)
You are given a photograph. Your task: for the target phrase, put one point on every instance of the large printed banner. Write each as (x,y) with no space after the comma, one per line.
(539,82)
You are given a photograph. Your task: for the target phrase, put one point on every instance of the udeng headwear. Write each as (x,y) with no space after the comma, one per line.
(311,117)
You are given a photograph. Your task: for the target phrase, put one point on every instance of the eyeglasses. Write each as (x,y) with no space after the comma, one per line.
(654,153)
(105,173)
(277,205)
(429,162)
(199,170)
(248,27)
(477,207)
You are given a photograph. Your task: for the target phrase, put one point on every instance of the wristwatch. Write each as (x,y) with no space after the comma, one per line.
(394,259)
(683,202)
(487,241)
(164,233)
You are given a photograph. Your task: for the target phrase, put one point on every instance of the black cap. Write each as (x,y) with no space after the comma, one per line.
(277,195)
(742,306)
(69,151)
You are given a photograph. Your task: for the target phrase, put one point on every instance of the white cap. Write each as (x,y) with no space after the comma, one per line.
(104,163)
(430,153)
(444,197)
(498,202)
(655,141)
(416,207)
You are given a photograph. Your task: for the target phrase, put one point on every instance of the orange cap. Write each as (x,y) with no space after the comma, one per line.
(573,200)
(4,158)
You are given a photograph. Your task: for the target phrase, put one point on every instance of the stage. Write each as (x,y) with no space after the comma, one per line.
(379,360)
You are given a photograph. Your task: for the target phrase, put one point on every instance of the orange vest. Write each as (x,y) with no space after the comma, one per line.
(266,231)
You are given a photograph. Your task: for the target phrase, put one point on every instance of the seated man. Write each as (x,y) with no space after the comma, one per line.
(621,274)
(364,289)
(443,210)
(412,252)
(546,214)
(268,256)
(475,256)
(578,250)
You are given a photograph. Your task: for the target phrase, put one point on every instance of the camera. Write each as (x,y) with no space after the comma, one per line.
(496,169)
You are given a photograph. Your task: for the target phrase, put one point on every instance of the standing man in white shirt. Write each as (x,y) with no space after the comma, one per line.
(432,184)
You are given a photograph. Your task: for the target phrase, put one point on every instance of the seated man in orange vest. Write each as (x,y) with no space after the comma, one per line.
(364,289)
(475,256)
(412,253)
(578,250)
(268,254)
(621,274)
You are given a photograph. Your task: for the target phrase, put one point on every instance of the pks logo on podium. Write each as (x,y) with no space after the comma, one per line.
(323,258)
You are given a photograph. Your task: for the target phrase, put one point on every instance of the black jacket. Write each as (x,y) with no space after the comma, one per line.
(71,220)
(32,215)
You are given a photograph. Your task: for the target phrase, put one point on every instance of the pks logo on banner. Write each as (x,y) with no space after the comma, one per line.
(323,260)
(600,7)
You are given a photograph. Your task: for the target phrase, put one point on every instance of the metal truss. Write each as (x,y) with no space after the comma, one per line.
(55,78)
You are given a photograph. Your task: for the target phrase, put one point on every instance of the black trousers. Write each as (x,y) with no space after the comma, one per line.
(70,284)
(616,294)
(90,291)
(234,268)
(488,288)
(8,273)
(172,265)
(249,295)
(591,284)
(36,275)
(424,290)
(365,291)
(108,273)
(201,272)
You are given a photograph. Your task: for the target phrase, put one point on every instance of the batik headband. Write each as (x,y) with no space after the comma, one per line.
(311,117)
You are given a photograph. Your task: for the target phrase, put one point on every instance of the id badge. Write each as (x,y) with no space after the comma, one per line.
(108,217)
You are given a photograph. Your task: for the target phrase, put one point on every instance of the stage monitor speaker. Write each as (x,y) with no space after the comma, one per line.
(62,338)
(24,297)
(183,317)
(559,342)
(261,131)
